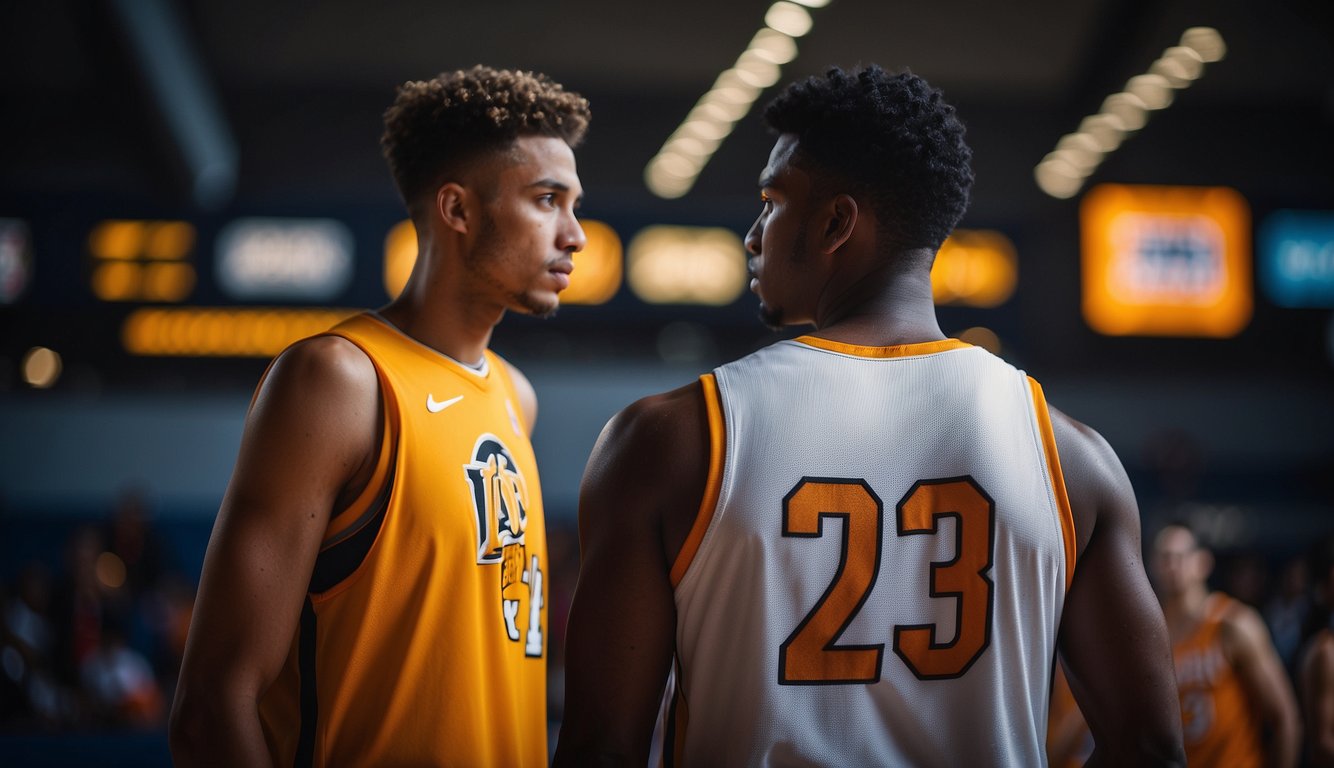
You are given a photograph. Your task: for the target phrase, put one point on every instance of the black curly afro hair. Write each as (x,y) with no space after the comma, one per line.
(436,125)
(893,137)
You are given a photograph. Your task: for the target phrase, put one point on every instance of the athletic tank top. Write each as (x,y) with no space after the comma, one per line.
(423,637)
(1219,725)
(877,573)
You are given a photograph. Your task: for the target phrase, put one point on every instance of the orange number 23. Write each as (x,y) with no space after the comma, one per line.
(809,656)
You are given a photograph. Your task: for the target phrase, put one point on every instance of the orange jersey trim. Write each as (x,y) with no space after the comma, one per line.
(897,350)
(717,443)
(1057,477)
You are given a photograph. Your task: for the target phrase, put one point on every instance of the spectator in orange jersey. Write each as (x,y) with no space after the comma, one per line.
(1237,706)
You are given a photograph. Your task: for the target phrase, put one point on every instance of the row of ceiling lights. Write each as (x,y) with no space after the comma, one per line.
(672,172)
(1063,171)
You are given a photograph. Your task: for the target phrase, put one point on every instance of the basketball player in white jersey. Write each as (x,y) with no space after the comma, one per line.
(866,545)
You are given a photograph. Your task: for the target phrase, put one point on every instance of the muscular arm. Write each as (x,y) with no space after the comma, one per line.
(640,494)
(1113,638)
(1247,643)
(310,432)
(1317,683)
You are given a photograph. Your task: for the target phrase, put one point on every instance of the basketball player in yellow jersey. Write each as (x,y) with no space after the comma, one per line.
(1234,691)
(862,546)
(375,592)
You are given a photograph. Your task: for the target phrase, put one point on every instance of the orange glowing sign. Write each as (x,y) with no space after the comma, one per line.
(1166,261)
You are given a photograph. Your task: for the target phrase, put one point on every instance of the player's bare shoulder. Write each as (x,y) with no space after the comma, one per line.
(1095,480)
(654,456)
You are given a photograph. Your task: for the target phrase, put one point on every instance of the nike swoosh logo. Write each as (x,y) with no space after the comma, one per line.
(435,406)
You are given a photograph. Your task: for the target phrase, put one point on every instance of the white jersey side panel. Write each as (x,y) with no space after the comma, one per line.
(882,578)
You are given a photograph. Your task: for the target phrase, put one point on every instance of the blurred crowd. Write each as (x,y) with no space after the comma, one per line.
(94,639)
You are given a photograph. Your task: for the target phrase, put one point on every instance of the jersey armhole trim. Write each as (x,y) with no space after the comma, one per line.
(1067,518)
(712,488)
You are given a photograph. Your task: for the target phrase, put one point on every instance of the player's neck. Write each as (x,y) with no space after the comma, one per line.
(883,309)
(1185,610)
(451,325)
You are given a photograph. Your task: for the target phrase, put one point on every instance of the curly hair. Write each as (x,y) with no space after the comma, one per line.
(893,137)
(436,125)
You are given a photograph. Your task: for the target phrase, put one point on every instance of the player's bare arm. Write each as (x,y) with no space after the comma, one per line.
(309,439)
(1113,639)
(640,494)
(1249,647)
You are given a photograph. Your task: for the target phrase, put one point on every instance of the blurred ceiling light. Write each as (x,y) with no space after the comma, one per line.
(1154,90)
(789,18)
(689,145)
(766,72)
(1124,113)
(773,46)
(1080,142)
(1080,162)
(1189,58)
(1106,130)
(1176,73)
(1055,184)
(733,93)
(1129,108)
(41,368)
(664,186)
(705,129)
(1206,41)
(678,165)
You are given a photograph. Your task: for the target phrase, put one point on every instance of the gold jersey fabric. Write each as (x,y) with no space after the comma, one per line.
(423,636)
(1220,726)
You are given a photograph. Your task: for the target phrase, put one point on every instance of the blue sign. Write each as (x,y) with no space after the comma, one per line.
(1296,263)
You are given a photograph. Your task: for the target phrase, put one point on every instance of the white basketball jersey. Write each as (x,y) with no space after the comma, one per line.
(877,573)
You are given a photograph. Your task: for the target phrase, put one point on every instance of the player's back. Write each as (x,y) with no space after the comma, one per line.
(880,578)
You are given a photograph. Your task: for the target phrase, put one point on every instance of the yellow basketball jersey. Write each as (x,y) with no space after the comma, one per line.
(423,637)
(1218,722)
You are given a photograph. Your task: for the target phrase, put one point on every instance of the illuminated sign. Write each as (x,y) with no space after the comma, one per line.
(687,265)
(302,259)
(232,332)
(1166,261)
(15,259)
(1296,259)
(142,260)
(974,268)
(597,268)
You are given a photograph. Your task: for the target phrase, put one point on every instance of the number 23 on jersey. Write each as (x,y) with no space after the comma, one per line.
(810,656)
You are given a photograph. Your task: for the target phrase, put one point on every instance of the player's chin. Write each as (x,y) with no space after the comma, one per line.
(542,304)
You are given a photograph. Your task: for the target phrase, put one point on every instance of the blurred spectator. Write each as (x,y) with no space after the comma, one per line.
(1285,611)
(30,695)
(1237,705)
(1315,669)
(130,537)
(119,681)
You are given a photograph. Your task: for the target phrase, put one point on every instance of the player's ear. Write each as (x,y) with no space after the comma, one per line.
(1206,562)
(840,219)
(451,207)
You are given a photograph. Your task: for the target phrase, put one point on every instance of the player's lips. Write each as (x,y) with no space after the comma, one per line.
(561,271)
(752,266)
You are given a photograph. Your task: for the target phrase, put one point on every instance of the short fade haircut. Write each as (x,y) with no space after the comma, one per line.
(893,138)
(435,126)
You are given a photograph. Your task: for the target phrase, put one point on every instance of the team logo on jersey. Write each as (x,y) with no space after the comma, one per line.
(500,502)
(499,498)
